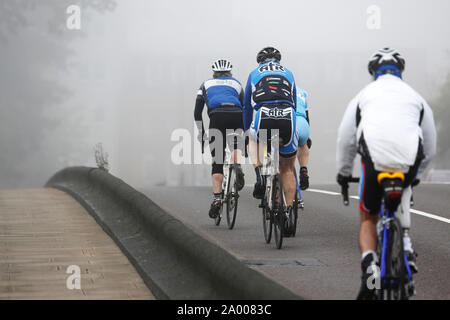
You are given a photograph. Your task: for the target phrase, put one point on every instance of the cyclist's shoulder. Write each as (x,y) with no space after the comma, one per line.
(270,67)
(234,79)
(414,93)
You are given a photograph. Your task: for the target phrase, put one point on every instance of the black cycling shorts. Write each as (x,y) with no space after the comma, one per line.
(222,121)
(370,191)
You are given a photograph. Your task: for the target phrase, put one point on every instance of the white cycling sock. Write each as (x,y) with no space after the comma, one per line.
(407,244)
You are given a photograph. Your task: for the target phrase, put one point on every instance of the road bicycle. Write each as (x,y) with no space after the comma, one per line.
(230,193)
(275,215)
(395,276)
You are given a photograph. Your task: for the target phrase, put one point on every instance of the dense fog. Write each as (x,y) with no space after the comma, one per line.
(128,77)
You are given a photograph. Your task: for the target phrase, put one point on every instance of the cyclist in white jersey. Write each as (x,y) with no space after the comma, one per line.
(392,127)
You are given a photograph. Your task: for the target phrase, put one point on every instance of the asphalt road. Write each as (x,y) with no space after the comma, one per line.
(323,260)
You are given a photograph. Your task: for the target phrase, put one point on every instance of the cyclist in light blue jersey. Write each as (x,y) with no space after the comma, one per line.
(304,142)
(269,104)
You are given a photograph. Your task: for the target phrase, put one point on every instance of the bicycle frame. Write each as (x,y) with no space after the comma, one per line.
(271,164)
(385,217)
(226,165)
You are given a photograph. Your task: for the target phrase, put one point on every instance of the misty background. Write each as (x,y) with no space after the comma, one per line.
(129,77)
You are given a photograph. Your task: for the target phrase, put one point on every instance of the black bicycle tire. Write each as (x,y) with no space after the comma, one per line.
(278,223)
(267,224)
(295,212)
(231,220)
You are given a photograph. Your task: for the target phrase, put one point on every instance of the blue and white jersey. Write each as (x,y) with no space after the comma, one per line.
(302,102)
(221,91)
(269,83)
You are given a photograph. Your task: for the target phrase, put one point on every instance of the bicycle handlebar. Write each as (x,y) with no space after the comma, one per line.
(344,189)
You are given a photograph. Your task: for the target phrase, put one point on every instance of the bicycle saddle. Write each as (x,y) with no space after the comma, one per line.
(392,184)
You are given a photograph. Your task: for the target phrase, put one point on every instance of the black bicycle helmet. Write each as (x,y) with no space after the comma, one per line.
(268,53)
(386,56)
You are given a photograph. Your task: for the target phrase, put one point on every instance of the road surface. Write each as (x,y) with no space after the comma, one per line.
(323,260)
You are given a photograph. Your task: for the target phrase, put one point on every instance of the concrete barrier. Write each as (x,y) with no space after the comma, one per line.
(173,260)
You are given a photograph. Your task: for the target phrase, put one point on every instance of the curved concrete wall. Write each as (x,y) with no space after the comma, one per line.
(174,261)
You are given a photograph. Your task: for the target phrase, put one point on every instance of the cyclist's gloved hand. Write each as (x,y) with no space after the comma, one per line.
(415,182)
(343,180)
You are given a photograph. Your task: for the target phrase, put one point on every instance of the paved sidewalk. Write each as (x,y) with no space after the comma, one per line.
(42,233)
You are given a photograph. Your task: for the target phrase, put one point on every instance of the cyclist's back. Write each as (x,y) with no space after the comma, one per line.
(270,84)
(270,101)
(390,114)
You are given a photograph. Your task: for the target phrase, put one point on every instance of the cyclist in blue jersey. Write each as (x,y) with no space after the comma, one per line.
(304,141)
(223,96)
(270,103)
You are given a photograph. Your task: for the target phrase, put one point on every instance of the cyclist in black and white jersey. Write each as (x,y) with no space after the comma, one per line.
(392,127)
(223,96)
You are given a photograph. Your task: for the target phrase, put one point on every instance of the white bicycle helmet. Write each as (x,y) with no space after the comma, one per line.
(386,56)
(221,65)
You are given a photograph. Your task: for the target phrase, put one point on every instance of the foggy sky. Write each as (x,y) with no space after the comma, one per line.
(129,77)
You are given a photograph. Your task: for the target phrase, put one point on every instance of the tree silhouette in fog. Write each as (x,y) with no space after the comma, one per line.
(34,50)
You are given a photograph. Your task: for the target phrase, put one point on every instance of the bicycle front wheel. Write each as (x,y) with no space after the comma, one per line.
(267,224)
(278,210)
(232,198)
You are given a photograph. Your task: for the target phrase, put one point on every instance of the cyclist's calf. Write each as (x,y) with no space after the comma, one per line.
(288,178)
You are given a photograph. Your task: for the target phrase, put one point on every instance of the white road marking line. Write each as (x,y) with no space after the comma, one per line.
(429,215)
(421,213)
(323,191)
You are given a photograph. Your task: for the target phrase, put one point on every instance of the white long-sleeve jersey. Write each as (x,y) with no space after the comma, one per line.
(392,117)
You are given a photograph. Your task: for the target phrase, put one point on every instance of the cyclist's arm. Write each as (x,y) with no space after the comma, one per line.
(307,107)
(199,105)
(294,95)
(429,136)
(241,97)
(346,142)
(248,110)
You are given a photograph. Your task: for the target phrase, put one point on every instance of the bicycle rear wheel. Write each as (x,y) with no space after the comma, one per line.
(395,278)
(232,198)
(279,211)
